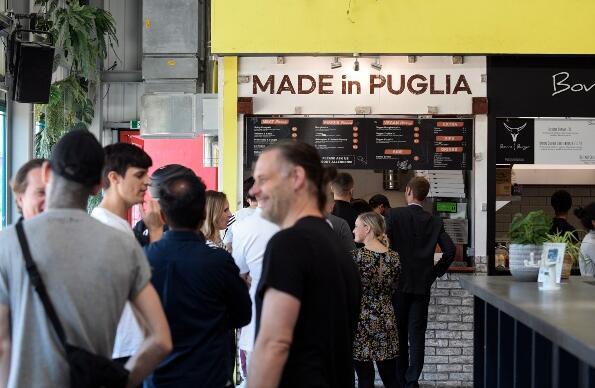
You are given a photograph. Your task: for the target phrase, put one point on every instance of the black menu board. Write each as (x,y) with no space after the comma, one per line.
(337,140)
(370,143)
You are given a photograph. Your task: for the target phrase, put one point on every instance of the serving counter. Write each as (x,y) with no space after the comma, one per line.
(524,337)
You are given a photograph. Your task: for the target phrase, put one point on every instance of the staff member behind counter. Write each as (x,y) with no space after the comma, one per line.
(561,201)
(152,226)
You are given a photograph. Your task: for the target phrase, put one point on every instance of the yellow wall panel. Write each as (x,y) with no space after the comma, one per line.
(229,141)
(403,26)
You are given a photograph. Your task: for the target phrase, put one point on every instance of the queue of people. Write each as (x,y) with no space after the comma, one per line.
(314,286)
(304,299)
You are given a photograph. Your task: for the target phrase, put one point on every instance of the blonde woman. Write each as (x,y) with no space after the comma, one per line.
(217,216)
(376,339)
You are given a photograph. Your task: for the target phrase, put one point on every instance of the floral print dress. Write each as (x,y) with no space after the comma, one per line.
(376,338)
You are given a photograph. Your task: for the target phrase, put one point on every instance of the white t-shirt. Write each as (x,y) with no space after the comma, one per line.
(129,335)
(240,215)
(250,239)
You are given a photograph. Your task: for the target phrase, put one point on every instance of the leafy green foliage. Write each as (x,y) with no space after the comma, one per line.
(94,201)
(82,35)
(530,229)
(68,108)
(573,247)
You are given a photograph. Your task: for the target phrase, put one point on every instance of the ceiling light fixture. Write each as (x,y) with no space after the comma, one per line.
(336,63)
(356,63)
(376,65)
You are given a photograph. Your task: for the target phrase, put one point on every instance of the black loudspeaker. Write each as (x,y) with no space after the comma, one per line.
(32,71)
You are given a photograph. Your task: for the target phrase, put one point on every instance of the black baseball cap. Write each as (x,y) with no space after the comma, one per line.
(165,173)
(78,157)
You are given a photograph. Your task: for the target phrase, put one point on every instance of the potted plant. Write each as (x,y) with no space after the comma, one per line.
(527,235)
(571,253)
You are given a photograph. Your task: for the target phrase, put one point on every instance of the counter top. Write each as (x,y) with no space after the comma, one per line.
(565,316)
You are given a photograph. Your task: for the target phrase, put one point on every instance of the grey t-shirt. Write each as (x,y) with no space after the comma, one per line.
(341,228)
(90,270)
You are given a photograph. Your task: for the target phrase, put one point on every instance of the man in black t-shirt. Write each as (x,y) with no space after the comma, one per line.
(308,299)
(342,188)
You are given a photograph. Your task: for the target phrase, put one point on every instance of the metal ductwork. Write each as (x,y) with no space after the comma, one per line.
(174,70)
(178,115)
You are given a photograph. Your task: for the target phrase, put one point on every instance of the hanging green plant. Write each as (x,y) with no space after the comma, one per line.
(82,35)
(68,108)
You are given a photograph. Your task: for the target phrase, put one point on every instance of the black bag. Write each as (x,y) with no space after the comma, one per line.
(87,370)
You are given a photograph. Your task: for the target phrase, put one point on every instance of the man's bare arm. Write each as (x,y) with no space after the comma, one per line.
(157,343)
(280,312)
(5,344)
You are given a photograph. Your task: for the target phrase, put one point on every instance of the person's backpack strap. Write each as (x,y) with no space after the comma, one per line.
(37,282)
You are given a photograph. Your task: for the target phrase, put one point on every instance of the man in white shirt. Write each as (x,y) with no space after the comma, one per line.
(244,212)
(250,239)
(125,181)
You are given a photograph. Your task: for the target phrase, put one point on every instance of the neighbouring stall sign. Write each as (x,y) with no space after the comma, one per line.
(370,143)
(541,86)
(414,84)
(545,141)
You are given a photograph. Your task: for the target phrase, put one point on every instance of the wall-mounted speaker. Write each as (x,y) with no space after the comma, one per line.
(32,76)
(30,66)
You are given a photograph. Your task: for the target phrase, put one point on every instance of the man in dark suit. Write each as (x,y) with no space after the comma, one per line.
(414,233)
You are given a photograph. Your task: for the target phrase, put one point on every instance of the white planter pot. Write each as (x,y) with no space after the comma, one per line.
(517,255)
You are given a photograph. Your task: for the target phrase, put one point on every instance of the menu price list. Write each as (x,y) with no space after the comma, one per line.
(421,143)
(394,142)
(452,147)
(370,143)
(267,131)
(339,142)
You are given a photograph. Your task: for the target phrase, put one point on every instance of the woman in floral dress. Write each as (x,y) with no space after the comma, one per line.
(376,339)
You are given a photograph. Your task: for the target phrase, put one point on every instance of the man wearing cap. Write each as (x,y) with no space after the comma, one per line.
(152,226)
(89,269)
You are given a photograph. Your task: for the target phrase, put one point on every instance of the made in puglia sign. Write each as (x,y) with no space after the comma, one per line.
(396,84)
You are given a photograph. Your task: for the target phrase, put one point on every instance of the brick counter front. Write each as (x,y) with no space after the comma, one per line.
(449,338)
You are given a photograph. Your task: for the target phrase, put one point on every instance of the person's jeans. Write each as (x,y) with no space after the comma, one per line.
(411,311)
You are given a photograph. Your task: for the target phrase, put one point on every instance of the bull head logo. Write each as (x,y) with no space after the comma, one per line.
(514,132)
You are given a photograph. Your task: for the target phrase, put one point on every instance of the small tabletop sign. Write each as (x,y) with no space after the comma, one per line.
(552,258)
